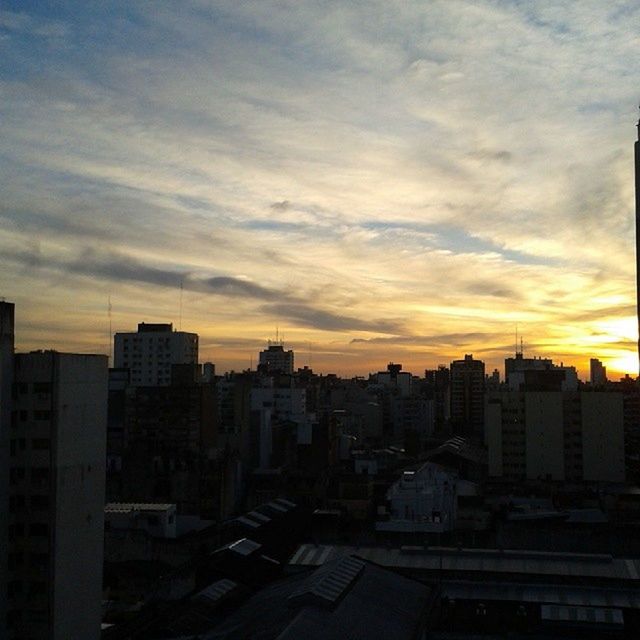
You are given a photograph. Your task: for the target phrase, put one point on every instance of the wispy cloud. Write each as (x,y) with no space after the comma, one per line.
(356,171)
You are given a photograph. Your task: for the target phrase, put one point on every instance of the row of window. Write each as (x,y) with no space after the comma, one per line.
(34,530)
(19,502)
(22,388)
(37,444)
(23,415)
(39,475)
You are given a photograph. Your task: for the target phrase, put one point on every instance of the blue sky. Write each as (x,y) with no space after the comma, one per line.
(381,181)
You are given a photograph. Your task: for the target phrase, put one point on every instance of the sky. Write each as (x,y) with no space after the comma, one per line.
(371,181)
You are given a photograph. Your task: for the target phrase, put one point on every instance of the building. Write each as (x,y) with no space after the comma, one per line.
(598,372)
(150,353)
(6,384)
(554,435)
(539,374)
(422,501)
(56,486)
(156,519)
(467,397)
(274,359)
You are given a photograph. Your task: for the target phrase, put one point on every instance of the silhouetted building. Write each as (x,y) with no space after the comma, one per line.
(598,372)
(57,471)
(467,396)
(274,359)
(150,353)
(538,374)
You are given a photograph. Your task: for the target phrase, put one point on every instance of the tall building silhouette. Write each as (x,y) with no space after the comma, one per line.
(637,166)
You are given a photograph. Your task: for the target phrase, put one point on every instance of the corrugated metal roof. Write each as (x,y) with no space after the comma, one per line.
(573,595)
(480,560)
(216,591)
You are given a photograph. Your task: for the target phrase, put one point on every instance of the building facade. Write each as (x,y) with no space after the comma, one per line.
(56,486)
(556,436)
(150,353)
(467,397)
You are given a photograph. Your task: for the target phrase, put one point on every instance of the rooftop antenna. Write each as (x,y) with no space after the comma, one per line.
(277,334)
(110,330)
(516,339)
(180,317)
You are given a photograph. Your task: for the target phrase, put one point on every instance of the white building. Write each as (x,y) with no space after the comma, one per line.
(150,353)
(422,501)
(57,475)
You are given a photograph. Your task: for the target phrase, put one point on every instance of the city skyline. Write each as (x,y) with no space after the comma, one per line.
(378,182)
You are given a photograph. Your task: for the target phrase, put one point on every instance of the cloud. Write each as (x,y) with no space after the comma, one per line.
(308,315)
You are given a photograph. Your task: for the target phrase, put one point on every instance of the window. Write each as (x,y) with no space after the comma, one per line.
(42,387)
(39,502)
(16,475)
(42,415)
(40,444)
(39,529)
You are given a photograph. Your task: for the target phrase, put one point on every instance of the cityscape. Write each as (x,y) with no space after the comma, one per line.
(319,322)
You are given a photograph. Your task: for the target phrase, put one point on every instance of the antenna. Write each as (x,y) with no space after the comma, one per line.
(180,317)
(110,331)
(516,339)
(276,334)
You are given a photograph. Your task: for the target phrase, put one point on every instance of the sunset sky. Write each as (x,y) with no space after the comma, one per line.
(376,180)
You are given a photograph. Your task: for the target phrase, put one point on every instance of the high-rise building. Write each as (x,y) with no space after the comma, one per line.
(467,396)
(150,353)
(6,383)
(553,435)
(274,359)
(56,487)
(598,372)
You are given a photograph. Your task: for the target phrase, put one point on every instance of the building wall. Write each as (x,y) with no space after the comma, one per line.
(544,432)
(603,437)
(6,381)
(493,438)
(149,354)
(59,447)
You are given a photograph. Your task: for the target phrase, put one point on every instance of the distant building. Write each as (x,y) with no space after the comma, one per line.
(150,353)
(274,359)
(395,378)
(467,396)
(438,388)
(57,476)
(598,372)
(538,374)
(553,435)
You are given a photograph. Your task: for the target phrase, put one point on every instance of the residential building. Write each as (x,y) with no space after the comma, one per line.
(467,397)
(57,476)
(598,372)
(150,353)
(274,359)
(554,435)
